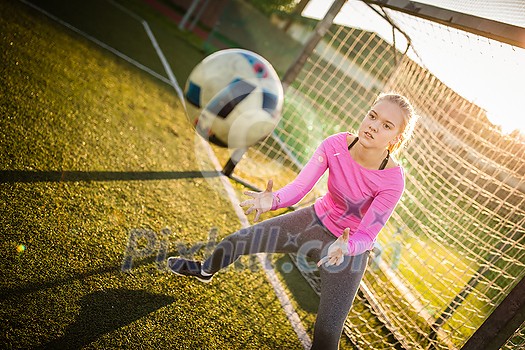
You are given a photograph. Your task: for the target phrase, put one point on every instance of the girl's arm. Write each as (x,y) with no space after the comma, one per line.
(290,194)
(374,220)
(304,182)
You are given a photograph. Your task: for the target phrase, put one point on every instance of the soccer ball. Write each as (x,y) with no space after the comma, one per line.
(234,98)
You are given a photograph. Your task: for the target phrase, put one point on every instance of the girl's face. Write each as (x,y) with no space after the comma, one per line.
(382,125)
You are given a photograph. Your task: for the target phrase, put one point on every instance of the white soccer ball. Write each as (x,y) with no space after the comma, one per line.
(234,98)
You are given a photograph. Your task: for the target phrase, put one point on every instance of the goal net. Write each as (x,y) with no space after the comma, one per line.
(454,247)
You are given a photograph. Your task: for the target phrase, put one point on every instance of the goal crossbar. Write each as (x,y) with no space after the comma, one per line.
(500,31)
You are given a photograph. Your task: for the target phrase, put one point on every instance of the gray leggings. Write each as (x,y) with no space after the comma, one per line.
(300,232)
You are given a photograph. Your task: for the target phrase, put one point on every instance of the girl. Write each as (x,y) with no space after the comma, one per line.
(364,185)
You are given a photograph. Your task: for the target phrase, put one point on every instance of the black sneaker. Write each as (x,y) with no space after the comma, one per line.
(183,267)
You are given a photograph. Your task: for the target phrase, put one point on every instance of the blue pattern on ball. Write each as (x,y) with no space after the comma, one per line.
(270,101)
(193,95)
(229,97)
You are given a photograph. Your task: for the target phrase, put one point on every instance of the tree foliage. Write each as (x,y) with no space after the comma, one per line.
(269,6)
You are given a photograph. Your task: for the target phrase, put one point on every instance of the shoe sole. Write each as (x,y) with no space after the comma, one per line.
(198,278)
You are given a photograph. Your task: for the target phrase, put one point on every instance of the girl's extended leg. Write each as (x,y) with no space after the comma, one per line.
(339,286)
(298,231)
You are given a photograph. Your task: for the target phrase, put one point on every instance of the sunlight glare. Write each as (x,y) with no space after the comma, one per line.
(486,72)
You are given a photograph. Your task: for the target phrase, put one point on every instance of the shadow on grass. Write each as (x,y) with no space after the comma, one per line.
(105,311)
(14,176)
(6,293)
(303,294)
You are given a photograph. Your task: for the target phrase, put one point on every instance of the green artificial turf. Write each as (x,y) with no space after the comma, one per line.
(91,150)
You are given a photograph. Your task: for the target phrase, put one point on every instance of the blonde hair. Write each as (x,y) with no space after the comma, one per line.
(407,129)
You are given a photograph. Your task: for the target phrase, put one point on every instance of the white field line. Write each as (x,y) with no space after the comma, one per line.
(99,43)
(292,315)
(288,308)
(157,48)
(165,63)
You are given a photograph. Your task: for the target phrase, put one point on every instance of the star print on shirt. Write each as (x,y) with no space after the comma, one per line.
(379,218)
(353,208)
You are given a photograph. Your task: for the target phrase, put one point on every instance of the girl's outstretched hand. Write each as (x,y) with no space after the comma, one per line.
(261,202)
(337,250)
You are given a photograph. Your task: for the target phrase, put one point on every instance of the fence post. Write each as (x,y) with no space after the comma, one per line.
(320,30)
(188,14)
(296,12)
(198,15)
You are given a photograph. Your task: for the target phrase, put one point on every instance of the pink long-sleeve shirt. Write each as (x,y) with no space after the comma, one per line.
(359,198)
